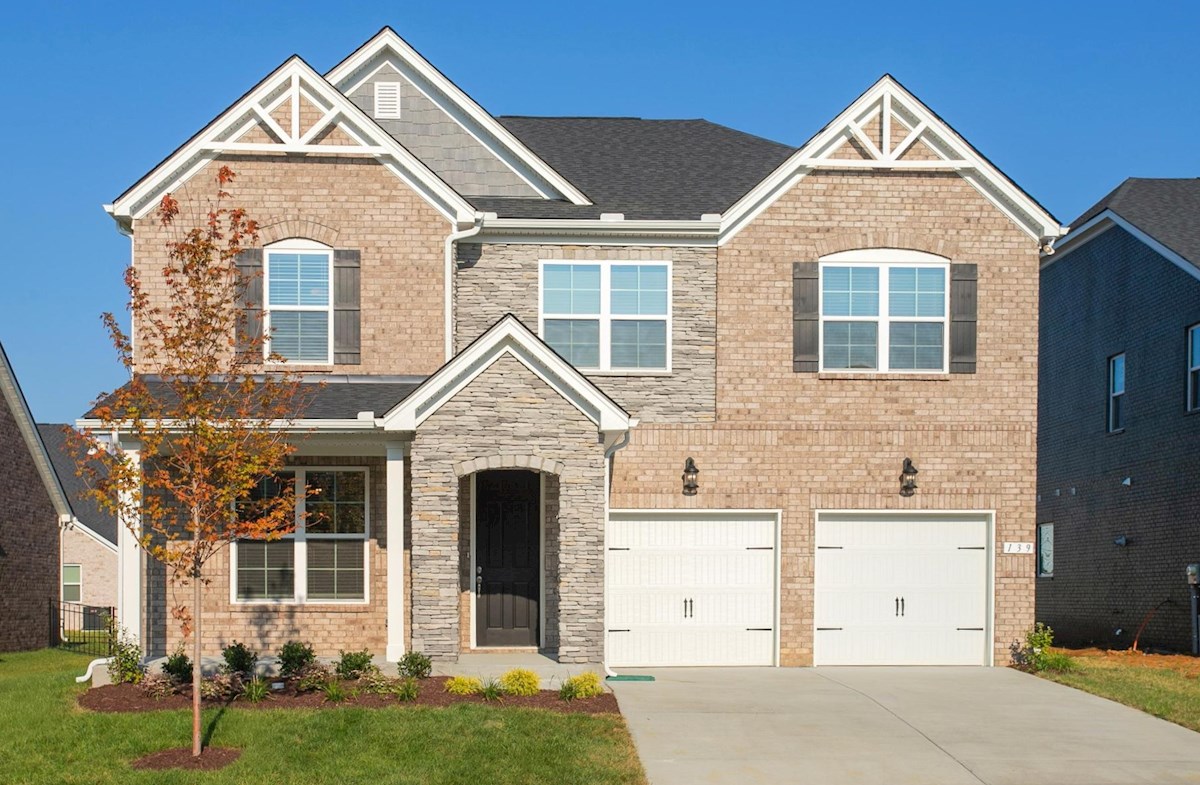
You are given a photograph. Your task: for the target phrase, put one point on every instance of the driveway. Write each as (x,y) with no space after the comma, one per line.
(891,726)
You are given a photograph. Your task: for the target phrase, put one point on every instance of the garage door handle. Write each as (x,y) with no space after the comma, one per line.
(901,606)
(897,606)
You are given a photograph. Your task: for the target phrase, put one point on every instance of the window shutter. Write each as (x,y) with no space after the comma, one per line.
(347,329)
(964,307)
(805,317)
(249,263)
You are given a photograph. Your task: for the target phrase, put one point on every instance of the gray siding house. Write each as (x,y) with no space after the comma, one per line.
(1119,419)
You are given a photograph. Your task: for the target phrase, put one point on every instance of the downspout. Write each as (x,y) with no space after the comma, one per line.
(451,239)
(608,457)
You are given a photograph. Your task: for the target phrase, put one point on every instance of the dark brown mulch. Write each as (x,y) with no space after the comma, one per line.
(113,698)
(211,759)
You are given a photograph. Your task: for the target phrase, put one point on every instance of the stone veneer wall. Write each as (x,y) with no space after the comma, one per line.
(507,410)
(496,279)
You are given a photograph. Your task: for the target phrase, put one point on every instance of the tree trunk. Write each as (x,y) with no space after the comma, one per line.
(196,669)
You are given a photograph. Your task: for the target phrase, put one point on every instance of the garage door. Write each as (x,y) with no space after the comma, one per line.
(691,589)
(901,590)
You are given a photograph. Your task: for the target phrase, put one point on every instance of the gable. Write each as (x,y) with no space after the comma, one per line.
(14,411)
(888,129)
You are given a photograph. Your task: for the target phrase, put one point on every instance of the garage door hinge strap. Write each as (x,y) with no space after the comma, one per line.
(618,630)
(758,629)
(829,547)
(827,629)
(618,549)
(760,547)
(970,629)
(972,547)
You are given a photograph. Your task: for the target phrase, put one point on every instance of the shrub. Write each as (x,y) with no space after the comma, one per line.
(407,689)
(221,686)
(415,664)
(463,685)
(239,658)
(1058,662)
(125,667)
(585,685)
(355,664)
(158,687)
(334,691)
(294,658)
(493,691)
(1035,655)
(520,681)
(313,678)
(178,667)
(256,690)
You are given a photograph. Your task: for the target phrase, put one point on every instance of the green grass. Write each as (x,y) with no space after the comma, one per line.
(48,739)
(1164,693)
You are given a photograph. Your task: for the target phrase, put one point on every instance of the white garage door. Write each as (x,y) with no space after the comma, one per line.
(691,589)
(901,590)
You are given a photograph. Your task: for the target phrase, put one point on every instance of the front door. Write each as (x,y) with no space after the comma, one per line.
(507,558)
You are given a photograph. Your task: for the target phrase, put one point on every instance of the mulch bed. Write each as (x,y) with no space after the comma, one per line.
(115,698)
(1181,663)
(211,759)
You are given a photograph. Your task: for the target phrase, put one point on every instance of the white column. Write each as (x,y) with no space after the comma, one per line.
(396,452)
(129,556)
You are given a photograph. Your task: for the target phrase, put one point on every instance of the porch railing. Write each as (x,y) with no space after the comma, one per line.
(87,629)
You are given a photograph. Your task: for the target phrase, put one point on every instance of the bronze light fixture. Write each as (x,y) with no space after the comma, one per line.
(690,473)
(908,478)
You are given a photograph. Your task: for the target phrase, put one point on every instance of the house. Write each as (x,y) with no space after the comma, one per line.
(89,544)
(1119,419)
(33,512)
(629,391)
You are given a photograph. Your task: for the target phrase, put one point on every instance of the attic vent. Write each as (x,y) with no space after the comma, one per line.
(387,100)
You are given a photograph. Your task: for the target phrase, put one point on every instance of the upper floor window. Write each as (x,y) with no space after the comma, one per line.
(883,311)
(608,316)
(1193,383)
(298,280)
(1116,393)
(387,100)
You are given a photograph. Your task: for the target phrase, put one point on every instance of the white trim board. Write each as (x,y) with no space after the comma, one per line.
(1079,237)
(296,81)
(388,46)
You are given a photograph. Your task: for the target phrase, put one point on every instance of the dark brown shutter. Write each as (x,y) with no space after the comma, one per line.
(250,265)
(805,317)
(347,310)
(964,307)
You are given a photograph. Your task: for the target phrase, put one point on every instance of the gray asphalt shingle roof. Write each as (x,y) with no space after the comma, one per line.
(84,508)
(1166,209)
(646,169)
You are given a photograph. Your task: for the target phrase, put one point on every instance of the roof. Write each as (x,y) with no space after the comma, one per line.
(11,392)
(646,169)
(83,506)
(1167,209)
(340,398)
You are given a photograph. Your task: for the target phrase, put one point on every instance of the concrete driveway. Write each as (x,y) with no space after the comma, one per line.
(891,726)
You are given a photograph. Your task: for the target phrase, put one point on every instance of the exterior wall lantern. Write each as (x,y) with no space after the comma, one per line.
(690,473)
(908,478)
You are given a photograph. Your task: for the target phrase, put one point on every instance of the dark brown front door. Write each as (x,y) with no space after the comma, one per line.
(507,568)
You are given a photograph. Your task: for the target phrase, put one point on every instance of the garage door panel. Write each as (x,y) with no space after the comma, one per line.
(690,647)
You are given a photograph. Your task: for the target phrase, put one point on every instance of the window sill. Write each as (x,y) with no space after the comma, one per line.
(886,376)
(351,606)
(619,372)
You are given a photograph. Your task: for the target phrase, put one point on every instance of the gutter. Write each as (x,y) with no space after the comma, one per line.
(451,239)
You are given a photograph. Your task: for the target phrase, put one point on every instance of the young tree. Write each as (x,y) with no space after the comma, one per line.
(209,429)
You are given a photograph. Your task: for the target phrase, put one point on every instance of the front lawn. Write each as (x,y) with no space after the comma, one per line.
(48,739)
(1165,686)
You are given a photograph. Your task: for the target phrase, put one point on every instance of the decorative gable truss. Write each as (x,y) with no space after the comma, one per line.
(887,128)
(294,111)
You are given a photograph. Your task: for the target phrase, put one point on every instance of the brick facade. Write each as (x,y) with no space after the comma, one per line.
(1109,296)
(99,567)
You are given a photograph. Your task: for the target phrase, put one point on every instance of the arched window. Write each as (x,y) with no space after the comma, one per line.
(298,284)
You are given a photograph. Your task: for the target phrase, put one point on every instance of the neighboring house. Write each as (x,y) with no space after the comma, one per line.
(34,510)
(530,326)
(89,544)
(1119,419)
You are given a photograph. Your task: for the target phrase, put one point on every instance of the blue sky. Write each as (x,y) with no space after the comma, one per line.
(1067,98)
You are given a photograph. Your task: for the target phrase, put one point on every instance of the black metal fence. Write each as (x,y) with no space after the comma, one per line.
(87,629)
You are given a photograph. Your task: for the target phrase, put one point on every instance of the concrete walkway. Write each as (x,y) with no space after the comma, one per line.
(893,726)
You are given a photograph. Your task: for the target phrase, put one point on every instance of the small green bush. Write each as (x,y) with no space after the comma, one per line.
(125,667)
(415,664)
(256,690)
(493,691)
(463,685)
(313,678)
(408,689)
(221,686)
(355,664)
(1058,662)
(178,667)
(520,681)
(158,687)
(585,685)
(294,658)
(334,691)
(239,658)
(1035,655)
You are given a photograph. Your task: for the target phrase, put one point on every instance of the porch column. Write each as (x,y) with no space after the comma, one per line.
(129,554)
(395,550)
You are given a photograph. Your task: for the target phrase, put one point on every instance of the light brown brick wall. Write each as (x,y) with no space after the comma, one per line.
(346,203)
(802,443)
(99,567)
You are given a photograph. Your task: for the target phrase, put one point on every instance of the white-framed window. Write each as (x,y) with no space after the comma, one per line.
(325,559)
(72,583)
(607,316)
(884,310)
(1045,550)
(1116,393)
(1193,373)
(298,317)
(387,100)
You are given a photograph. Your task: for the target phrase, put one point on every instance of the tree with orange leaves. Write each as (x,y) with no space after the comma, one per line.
(210,430)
